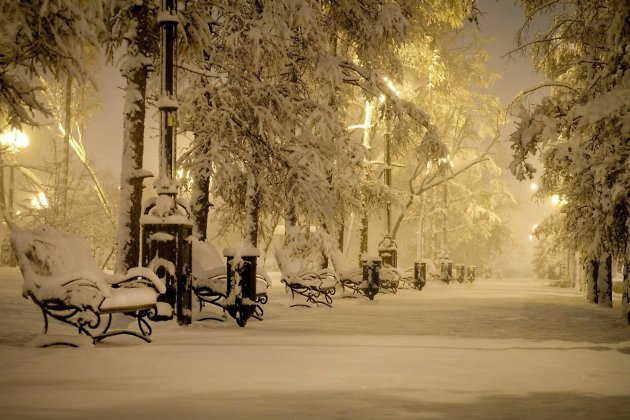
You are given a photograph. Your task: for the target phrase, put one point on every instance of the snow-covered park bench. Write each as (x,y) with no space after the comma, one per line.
(349,275)
(209,273)
(408,275)
(352,276)
(62,278)
(314,285)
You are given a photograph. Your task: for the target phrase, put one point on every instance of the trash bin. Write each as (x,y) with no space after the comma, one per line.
(371,276)
(460,273)
(419,275)
(240,302)
(167,251)
(446,271)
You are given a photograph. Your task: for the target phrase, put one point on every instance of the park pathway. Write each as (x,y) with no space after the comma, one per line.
(494,349)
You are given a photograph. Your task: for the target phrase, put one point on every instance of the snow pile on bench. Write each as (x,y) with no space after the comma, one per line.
(58,265)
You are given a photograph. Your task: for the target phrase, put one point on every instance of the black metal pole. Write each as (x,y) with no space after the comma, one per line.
(168,93)
(166,230)
(387,173)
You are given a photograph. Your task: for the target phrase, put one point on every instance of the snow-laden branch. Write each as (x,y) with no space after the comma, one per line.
(538,87)
(433,180)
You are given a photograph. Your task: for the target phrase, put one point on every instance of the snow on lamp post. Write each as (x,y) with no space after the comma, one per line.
(166,228)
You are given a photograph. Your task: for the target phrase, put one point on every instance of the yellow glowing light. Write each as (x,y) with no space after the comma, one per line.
(391,86)
(14,139)
(531,237)
(40,201)
(446,160)
(556,200)
(367,124)
(533,186)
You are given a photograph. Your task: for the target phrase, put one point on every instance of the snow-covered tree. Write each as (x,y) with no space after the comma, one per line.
(132,26)
(84,212)
(42,38)
(549,249)
(80,104)
(263,125)
(445,76)
(581,129)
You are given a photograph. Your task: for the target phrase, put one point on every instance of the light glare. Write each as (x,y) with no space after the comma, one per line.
(14,139)
(40,201)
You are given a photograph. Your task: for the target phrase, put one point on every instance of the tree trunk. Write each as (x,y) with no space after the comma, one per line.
(252,207)
(200,205)
(580,283)
(3,203)
(625,287)
(604,281)
(66,152)
(625,292)
(591,267)
(340,238)
(290,226)
(324,256)
(571,272)
(128,241)
(364,236)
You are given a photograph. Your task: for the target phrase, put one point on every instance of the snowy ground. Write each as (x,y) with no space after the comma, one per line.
(506,348)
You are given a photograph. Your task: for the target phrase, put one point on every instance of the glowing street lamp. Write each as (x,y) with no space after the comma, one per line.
(40,201)
(556,200)
(11,142)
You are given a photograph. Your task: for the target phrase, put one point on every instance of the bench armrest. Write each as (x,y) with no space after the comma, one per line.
(138,274)
(79,292)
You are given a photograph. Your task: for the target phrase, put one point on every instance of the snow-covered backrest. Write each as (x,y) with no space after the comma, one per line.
(432,270)
(285,262)
(49,258)
(205,256)
(340,262)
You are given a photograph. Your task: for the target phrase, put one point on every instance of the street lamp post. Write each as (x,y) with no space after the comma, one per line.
(165,227)
(11,142)
(444,260)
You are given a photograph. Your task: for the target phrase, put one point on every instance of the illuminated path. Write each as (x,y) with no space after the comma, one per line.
(492,349)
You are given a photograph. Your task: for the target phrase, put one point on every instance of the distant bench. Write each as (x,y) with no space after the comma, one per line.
(317,286)
(209,273)
(62,279)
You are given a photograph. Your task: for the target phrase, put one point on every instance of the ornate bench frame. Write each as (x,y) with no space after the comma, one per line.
(74,290)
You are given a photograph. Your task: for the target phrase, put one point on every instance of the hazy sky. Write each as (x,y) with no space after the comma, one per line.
(501,19)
